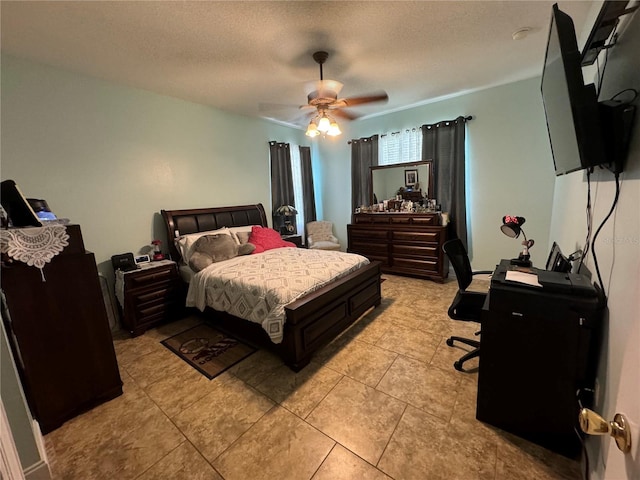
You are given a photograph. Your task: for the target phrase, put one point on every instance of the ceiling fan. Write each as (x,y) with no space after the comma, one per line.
(324,98)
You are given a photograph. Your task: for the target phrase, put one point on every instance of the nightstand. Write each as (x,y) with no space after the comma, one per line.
(297,239)
(150,295)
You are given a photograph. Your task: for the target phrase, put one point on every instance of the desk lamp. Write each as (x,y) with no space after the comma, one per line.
(512,227)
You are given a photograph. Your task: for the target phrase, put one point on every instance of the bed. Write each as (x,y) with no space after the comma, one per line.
(310,321)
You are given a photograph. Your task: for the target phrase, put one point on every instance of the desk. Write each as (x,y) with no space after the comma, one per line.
(539,348)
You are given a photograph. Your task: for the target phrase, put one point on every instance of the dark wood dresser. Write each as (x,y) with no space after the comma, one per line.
(59,334)
(153,294)
(406,243)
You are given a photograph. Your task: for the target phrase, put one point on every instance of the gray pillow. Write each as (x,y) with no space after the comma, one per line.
(243,237)
(210,249)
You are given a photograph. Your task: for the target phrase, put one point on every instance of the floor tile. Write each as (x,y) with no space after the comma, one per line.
(362,361)
(422,447)
(358,417)
(183,463)
(129,349)
(279,446)
(157,365)
(299,392)
(256,367)
(446,356)
(428,388)
(370,328)
(341,464)
(519,459)
(410,342)
(215,421)
(180,390)
(120,439)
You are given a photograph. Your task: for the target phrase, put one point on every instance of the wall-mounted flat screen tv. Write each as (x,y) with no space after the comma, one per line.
(570,106)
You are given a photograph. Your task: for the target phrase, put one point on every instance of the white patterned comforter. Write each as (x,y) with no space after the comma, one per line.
(257,287)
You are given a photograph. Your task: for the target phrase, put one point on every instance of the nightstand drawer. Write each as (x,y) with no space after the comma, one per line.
(160,305)
(139,279)
(159,291)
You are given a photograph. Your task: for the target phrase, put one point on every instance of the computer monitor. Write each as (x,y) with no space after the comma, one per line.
(557,262)
(19,211)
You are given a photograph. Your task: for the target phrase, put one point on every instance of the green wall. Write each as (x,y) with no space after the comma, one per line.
(110,157)
(509,165)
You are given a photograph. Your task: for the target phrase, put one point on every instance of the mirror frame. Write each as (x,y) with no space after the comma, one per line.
(430,186)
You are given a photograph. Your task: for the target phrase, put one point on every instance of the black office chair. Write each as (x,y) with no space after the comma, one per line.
(466,306)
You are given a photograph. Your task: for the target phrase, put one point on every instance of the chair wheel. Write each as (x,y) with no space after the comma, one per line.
(458,366)
(450,342)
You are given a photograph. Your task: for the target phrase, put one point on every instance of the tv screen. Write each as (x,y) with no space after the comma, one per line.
(571,107)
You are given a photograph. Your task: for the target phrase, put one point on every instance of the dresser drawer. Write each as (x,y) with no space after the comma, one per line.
(427,220)
(369,234)
(415,251)
(413,264)
(361,245)
(416,237)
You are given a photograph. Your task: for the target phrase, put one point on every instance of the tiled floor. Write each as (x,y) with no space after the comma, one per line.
(382,401)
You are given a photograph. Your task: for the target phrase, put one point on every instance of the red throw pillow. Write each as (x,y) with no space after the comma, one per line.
(267,239)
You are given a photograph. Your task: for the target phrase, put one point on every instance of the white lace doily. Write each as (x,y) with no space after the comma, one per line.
(34,246)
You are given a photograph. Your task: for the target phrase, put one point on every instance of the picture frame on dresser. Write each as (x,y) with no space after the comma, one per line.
(410,178)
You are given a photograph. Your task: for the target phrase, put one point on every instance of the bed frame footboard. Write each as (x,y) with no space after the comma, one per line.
(315,320)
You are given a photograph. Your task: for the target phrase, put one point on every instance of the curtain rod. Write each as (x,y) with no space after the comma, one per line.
(465,118)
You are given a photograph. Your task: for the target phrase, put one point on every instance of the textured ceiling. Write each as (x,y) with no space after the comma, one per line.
(237,55)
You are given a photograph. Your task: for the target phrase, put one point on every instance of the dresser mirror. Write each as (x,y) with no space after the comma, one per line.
(415,178)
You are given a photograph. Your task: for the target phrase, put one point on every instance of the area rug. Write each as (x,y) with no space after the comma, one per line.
(207,350)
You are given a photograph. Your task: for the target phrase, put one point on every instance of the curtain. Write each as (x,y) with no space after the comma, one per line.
(281,178)
(444,143)
(308,193)
(364,154)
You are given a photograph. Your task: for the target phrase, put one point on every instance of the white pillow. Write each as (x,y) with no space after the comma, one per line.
(185,242)
(243,229)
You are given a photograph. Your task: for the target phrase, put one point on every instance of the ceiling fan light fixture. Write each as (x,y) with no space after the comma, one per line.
(324,124)
(312,130)
(334,129)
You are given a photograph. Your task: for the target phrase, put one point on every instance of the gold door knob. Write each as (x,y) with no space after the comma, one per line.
(593,424)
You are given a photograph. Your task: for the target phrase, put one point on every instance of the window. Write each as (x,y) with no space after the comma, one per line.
(296,170)
(400,147)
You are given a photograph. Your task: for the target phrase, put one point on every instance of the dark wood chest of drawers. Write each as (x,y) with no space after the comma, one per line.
(152,295)
(405,243)
(59,333)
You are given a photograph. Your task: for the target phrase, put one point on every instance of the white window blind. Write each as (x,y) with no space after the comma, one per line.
(400,147)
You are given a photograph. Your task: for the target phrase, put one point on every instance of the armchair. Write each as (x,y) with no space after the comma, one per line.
(320,236)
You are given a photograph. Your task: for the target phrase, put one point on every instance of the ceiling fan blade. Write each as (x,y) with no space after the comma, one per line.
(270,107)
(360,100)
(343,114)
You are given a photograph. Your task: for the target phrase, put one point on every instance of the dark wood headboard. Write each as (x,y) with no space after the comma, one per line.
(183,222)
